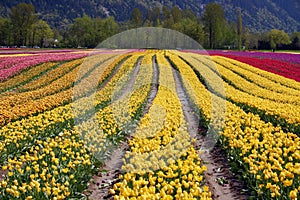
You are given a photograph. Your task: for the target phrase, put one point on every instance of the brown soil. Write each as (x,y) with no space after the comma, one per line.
(223,184)
(100,184)
(3,174)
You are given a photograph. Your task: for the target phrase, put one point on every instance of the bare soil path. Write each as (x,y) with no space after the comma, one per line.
(100,184)
(223,184)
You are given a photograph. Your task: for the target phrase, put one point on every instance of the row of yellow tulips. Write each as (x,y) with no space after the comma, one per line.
(273,77)
(10,101)
(248,72)
(113,116)
(116,120)
(47,102)
(252,88)
(54,168)
(51,76)
(268,157)
(70,73)
(26,76)
(162,163)
(284,110)
(15,135)
(51,166)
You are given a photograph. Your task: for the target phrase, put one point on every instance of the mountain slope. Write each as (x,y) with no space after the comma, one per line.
(257,15)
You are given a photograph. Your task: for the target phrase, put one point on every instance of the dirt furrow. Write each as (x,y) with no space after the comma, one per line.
(223,184)
(100,184)
(154,86)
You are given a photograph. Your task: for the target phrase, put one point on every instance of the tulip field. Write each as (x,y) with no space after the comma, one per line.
(64,112)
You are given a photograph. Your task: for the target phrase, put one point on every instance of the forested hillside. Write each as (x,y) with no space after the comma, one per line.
(257,15)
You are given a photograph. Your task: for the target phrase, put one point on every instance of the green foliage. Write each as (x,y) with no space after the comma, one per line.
(6,33)
(176,14)
(22,27)
(231,36)
(41,31)
(214,23)
(22,18)
(191,28)
(295,39)
(239,23)
(251,40)
(88,32)
(258,16)
(136,18)
(278,37)
(81,31)
(156,15)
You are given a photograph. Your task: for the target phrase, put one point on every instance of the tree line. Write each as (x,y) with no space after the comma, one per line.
(23,28)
